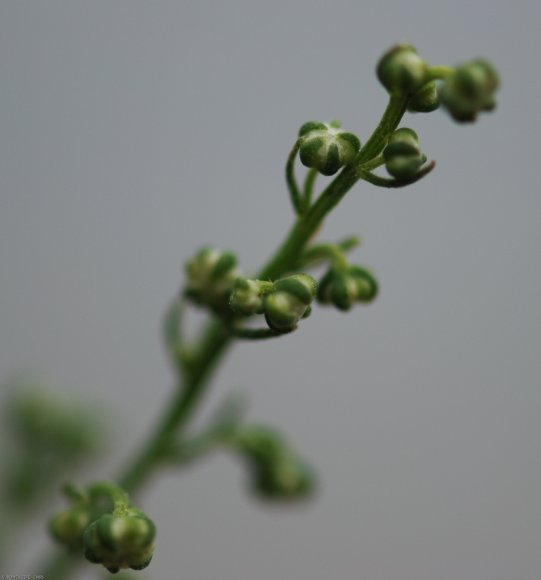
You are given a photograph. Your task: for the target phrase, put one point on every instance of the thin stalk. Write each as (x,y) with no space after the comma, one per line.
(308,189)
(440,72)
(294,191)
(255,333)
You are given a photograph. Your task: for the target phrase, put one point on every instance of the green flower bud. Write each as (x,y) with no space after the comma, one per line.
(210,277)
(289,302)
(68,526)
(470,90)
(337,288)
(120,541)
(344,288)
(289,479)
(402,70)
(326,147)
(276,473)
(425,99)
(247,296)
(403,156)
(367,285)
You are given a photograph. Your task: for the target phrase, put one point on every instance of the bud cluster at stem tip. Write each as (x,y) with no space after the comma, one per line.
(120,540)
(465,92)
(104,525)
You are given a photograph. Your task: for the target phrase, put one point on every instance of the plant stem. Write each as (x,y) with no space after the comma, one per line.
(294,191)
(440,72)
(178,410)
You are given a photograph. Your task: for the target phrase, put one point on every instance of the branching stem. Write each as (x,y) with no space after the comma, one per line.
(218,336)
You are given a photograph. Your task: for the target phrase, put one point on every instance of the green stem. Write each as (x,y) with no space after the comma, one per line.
(172,331)
(331,252)
(292,186)
(321,252)
(180,408)
(374,163)
(308,189)
(395,183)
(255,333)
(389,122)
(439,72)
(111,491)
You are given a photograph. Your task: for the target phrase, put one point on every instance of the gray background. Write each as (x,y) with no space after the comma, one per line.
(133,132)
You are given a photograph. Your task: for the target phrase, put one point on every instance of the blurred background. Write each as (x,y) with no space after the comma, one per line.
(134,132)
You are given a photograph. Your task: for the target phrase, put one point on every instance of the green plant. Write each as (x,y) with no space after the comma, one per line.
(101,522)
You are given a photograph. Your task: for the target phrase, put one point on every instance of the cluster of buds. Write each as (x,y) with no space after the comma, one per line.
(343,287)
(465,92)
(283,302)
(106,528)
(470,90)
(120,540)
(276,473)
(403,156)
(210,276)
(326,147)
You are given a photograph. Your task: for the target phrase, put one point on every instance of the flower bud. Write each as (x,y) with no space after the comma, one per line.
(289,302)
(425,99)
(120,541)
(288,479)
(276,473)
(210,277)
(403,157)
(345,287)
(247,296)
(326,147)
(470,90)
(402,70)
(68,526)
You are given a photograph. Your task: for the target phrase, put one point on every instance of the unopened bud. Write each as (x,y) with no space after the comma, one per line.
(210,277)
(118,542)
(289,302)
(247,295)
(344,288)
(402,70)
(470,90)
(276,473)
(425,99)
(403,156)
(326,147)
(68,526)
